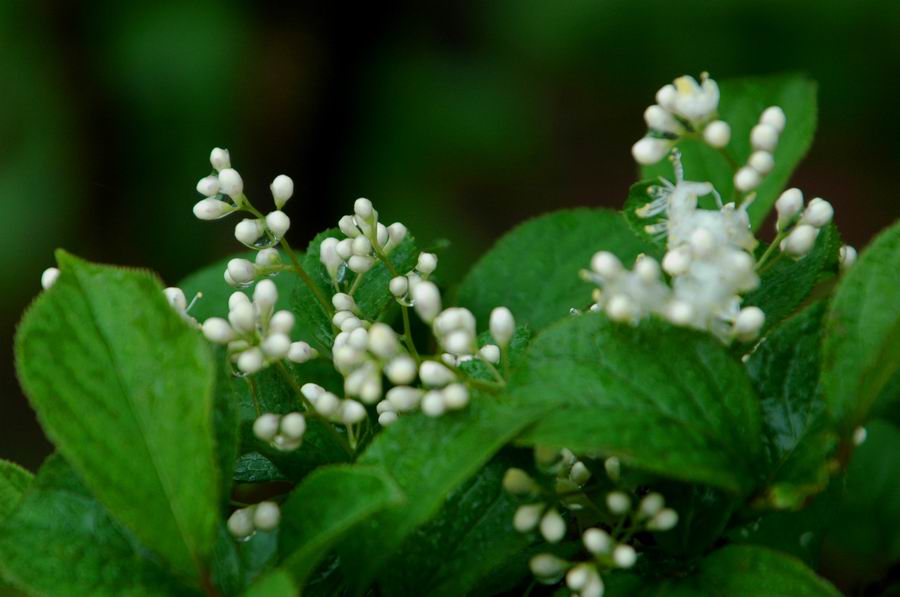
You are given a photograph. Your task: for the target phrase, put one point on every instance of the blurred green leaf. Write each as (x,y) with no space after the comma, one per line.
(660,398)
(14,480)
(124,389)
(277,583)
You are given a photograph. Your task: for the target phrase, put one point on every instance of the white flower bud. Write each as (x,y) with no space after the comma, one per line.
(553,527)
(433,404)
(546,566)
(665,97)
(211,209)
(459,343)
(250,361)
(618,502)
(649,150)
(597,541)
(435,374)
(764,137)
(208,186)
(242,318)
(624,556)
(490,353)
(278,222)
(680,313)
(748,323)
(613,468)
(327,404)
(49,277)
(352,412)
(386,419)
(382,236)
(396,233)
(647,269)
(220,159)
(427,263)
(621,308)
(788,205)
(248,231)
(237,298)
(578,576)
(282,189)
(818,213)
(717,134)
(660,119)
(651,504)
(427,300)
(663,520)
(747,179)
(265,427)
(240,523)
(383,341)
(677,261)
(799,242)
(276,346)
(231,183)
(859,436)
(301,352)
(344,302)
(282,322)
(176,298)
(502,325)
(218,331)
(293,425)
(360,264)
(312,391)
(579,473)
(329,257)
(363,209)
(347,224)
(518,482)
(847,256)
(404,398)
(398,286)
(401,370)
(265,295)
(606,264)
(384,407)
(241,271)
(774,117)
(456,396)
(268,257)
(761,161)
(527,517)
(361,246)
(266,516)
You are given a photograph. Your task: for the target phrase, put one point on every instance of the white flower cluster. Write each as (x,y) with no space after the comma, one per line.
(367,242)
(282,432)
(346,412)
(800,226)
(709,260)
(245,522)
(683,108)
(255,334)
(606,547)
(764,139)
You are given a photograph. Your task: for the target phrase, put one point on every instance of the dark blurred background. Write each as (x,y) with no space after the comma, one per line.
(458,118)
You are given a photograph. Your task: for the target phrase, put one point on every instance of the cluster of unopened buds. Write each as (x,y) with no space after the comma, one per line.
(607,544)
(764,140)
(282,432)
(798,226)
(245,522)
(256,335)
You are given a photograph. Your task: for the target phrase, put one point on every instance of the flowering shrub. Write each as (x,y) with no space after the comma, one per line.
(619,403)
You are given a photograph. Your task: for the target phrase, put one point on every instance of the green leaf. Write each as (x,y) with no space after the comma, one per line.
(13,481)
(325,507)
(226,421)
(785,373)
(428,458)
(663,399)
(638,196)
(277,583)
(736,570)
(62,541)
(861,350)
(785,285)
(534,268)
(123,387)
(865,527)
(253,467)
(741,104)
(703,513)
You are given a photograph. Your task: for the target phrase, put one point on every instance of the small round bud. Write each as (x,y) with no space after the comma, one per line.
(382,341)
(847,256)
(211,209)
(176,298)
(240,523)
(265,295)
(666,96)
(774,117)
(363,209)
(621,308)
(268,257)
(680,312)
(250,361)
(664,520)
(401,370)
(579,473)
(748,323)
(527,517)
(677,261)
(761,161)
(404,398)
(265,427)
(282,189)
(427,300)
(613,468)
(231,183)
(399,286)
(859,436)
(788,205)
(427,263)
(266,516)
(546,566)
(347,224)
(361,246)
(647,269)
(276,346)
(352,412)
(208,186)
(382,236)
(490,353)
(396,233)
(237,298)
(818,213)
(358,339)
(293,425)
(553,527)
(360,264)
(717,134)
(220,159)
(597,541)
(435,374)
(618,502)
(799,242)
(764,137)
(456,396)
(651,504)
(502,325)
(518,482)
(606,264)
(218,331)
(312,391)
(660,119)
(433,404)
(649,150)
(386,419)
(248,231)
(301,352)
(624,556)
(578,577)
(329,257)
(241,271)
(327,404)
(747,179)
(278,222)
(459,343)
(343,302)
(242,318)
(282,322)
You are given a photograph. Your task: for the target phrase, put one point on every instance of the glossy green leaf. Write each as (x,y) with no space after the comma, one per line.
(663,399)
(13,481)
(62,541)
(277,583)
(785,373)
(741,104)
(325,507)
(861,349)
(533,270)
(428,458)
(736,570)
(123,387)
(226,420)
